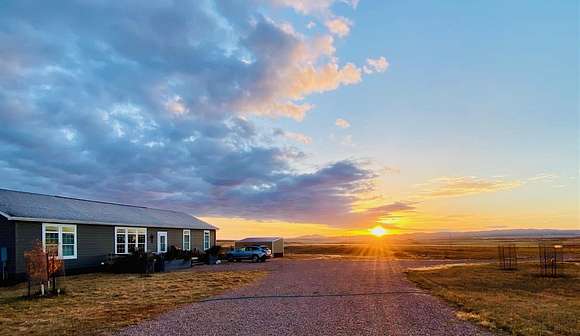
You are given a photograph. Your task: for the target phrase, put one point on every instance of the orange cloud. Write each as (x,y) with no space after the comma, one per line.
(299,64)
(339,26)
(342,123)
(466,185)
(309,67)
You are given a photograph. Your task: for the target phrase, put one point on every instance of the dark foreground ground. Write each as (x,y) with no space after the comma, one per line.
(316,297)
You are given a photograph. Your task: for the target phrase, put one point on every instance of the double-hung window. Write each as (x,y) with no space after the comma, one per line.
(186,240)
(60,239)
(206,240)
(128,240)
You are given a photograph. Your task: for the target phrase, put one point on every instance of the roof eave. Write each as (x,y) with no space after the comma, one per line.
(68,221)
(5,215)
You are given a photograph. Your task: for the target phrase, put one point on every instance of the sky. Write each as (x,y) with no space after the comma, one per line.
(296,117)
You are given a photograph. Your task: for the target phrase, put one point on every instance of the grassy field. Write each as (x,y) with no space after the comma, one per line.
(517,302)
(97,303)
(452,250)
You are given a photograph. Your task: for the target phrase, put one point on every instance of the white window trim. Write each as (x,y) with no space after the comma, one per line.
(60,226)
(188,241)
(127,238)
(208,241)
(159,234)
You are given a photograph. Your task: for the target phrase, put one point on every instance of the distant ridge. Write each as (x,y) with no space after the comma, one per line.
(489,234)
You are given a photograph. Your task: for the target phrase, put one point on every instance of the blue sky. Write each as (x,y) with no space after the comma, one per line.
(500,81)
(229,111)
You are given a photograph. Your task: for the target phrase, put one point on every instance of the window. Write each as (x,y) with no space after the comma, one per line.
(60,239)
(187,240)
(161,242)
(206,240)
(128,240)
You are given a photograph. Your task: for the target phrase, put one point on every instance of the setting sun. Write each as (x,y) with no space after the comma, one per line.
(378,231)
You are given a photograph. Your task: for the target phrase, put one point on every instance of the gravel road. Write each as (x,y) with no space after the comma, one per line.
(316,297)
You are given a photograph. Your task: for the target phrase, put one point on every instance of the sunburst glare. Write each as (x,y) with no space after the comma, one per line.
(378,231)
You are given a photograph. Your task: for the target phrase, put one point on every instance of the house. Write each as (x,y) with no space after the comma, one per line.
(276,244)
(86,232)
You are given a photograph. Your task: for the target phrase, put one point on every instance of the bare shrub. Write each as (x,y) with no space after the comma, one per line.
(42,267)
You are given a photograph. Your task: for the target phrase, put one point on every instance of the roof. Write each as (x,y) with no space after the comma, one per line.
(26,206)
(259,239)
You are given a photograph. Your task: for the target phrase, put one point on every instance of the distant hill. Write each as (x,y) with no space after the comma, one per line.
(490,234)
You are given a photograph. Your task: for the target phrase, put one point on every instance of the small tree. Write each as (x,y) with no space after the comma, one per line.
(54,266)
(41,267)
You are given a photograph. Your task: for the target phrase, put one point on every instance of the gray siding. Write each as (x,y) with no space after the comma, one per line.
(95,242)
(7,241)
(174,238)
(25,235)
(197,239)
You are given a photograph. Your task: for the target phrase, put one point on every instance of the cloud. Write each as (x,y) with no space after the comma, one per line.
(390,208)
(376,65)
(301,82)
(543,177)
(324,196)
(347,141)
(297,137)
(339,26)
(342,123)
(154,103)
(471,185)
(313,6)
(291,68)
(466,185)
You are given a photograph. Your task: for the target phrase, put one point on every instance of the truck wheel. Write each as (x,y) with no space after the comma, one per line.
(255,258)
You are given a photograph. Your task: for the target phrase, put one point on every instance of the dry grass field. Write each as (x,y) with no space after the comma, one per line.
(440,250)
(97,303)
(517,302)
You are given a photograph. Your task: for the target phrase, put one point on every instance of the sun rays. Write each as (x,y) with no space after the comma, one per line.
(378,231)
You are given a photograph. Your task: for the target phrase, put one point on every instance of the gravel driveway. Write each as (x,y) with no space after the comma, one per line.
(316,297)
